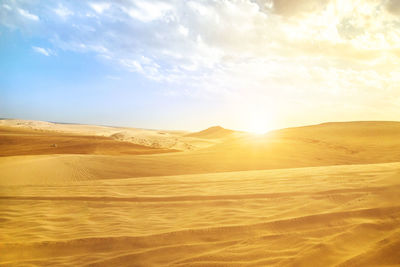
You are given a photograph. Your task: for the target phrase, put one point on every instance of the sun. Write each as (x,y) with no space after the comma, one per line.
(258,120)
(258,126)
(259,129)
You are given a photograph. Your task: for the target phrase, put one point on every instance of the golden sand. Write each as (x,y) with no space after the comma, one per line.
(322,195)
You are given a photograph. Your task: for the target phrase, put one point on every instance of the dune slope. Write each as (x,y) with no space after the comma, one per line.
(318,145)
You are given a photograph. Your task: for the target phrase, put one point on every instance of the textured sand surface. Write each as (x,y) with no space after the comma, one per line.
(214,206)
(309,216)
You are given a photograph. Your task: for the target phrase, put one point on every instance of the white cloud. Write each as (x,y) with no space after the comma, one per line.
(100,7)
(132,65)
(63,11)
(183,30)
(147,11)
(47,52)
(27,14)
(200,8)
(6,6)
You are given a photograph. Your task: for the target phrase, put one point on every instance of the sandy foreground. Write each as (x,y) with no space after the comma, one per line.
(321,196)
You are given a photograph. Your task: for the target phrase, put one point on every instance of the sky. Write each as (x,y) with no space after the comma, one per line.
(251,65)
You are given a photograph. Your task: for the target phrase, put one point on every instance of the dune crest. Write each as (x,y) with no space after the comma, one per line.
(214,132)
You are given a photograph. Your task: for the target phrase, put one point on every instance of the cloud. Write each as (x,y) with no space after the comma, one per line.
(6,7)
(99,7)
(393,6)
(147,11)
(63,11)
(47,52)
(275,49)
(27,14)
(296,7)
(183,30)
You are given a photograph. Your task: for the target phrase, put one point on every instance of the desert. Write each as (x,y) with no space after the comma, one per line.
(330,199)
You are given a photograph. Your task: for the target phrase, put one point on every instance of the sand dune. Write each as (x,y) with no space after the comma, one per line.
(299,217)
(213,133)
(175,140)
(320,145)
(235,199)
(29,142)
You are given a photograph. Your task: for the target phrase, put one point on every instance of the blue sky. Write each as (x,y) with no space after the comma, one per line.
(242,64)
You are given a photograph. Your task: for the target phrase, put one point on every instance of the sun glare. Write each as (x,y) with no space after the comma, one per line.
(258,121)
(259,127)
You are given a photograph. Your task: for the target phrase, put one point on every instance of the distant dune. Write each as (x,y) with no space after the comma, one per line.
(30,142)
(174,140)
(319,195)
(212,133)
